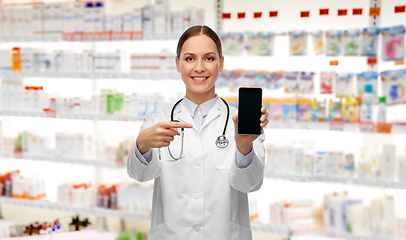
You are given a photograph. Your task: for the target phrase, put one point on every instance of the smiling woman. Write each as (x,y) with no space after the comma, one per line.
(202,194)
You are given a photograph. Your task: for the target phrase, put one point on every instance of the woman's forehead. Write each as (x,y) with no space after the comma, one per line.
(200,44)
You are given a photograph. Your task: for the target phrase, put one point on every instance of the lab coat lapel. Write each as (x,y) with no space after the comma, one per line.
(184,116)
(213,113)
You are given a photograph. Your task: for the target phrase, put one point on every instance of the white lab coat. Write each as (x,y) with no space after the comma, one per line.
(203,195)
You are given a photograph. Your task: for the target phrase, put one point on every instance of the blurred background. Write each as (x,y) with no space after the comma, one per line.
(78,77)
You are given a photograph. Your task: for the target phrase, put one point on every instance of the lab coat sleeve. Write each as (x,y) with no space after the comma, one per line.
(138,170)
(250,179)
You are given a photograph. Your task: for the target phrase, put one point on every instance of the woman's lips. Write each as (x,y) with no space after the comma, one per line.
(199,79)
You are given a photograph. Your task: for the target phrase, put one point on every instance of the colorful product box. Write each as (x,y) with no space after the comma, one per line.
(275,110)
(304,110)
(289,110)
(319,111)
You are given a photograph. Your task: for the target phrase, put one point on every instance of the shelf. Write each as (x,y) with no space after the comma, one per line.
(99,212)
(96,163)
(82,234)
(149,75)
(339,180)
(103,117)
(285,231)
(34,38)
(325,126)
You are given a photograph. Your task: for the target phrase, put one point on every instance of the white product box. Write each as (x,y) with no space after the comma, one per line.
(1,23)
(36,19)
(127,22)
(7,28)
(108,21)
(117,23)
(27,22)
(57,17)
(47,17)
(160,17)
(78,17)
(193,16)
(98,14)
(186,19)
(89,17)
(83,146)
(17,22)
(388,162)
(68,25)
(177,22)
(200,16)
(137,20)
(147,20)
(26,59)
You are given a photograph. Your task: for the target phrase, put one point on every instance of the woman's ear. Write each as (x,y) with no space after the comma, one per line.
(177,64)
(221,64)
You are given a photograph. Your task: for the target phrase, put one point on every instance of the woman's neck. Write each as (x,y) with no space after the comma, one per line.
(200,98)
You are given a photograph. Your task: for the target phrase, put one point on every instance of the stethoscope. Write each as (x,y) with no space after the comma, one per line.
(221,141)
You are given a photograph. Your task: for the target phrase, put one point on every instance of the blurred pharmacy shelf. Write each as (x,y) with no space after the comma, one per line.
(148,75)
(104,117)
(258,227)
(338,180)
(96,163)
(327,126)
(34,38)
(82,234)
(99,212)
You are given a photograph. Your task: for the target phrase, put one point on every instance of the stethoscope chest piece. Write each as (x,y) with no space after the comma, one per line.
(222,141)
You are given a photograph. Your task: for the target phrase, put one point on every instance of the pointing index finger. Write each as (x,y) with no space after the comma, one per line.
(178,125)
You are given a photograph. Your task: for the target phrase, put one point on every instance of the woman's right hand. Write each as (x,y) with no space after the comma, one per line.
(159,135)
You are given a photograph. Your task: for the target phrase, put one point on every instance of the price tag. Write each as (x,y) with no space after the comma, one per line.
(400,63)
(77,37)
(367,127)
(126,36)
(334,63)
(372,60)
(374,11)
(384,127)
(116,36)
(337,126)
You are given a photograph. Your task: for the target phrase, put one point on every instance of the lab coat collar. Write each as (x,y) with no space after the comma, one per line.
(183,114)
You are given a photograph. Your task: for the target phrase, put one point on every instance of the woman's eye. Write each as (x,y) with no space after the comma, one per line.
(210,58)
(189,59)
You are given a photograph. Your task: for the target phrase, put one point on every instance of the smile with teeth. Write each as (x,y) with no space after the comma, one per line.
(199,78)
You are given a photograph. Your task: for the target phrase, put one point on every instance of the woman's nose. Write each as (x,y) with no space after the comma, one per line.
(199,66)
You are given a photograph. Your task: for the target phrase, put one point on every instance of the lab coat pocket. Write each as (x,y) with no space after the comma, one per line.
(238,232)
(175,148)
(223,158)
(157,232)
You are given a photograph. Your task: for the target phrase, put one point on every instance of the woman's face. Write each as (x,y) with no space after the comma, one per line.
(199,64)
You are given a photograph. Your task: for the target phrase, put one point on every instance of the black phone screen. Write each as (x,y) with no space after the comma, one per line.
(249,111)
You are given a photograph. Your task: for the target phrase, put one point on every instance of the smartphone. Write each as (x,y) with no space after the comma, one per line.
(249,111)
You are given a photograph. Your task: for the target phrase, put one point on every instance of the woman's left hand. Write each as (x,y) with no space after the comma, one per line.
(244,142)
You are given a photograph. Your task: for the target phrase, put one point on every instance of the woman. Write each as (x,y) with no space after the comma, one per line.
(203,194)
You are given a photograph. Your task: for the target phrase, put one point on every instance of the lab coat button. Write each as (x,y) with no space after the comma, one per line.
(197,228)
(197,195)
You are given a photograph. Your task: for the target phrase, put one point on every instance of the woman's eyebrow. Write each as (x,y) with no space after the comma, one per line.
(187,53)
